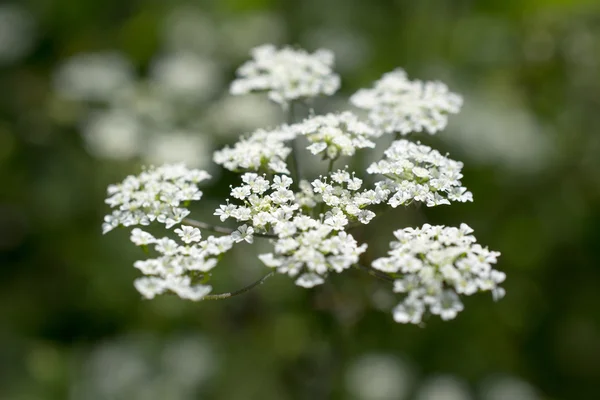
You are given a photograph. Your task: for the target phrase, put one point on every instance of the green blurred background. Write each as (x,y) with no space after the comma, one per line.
(73,327)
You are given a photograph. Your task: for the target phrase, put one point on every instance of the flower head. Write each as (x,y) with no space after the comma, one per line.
(156,194)
(287,74)
(262,149)
(416,172)
(335,135)
(437,264)
(396,104)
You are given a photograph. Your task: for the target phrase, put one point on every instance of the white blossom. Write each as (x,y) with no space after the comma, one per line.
(189,234)
(308,222)
(93,76)
(244,232)
(287,74)
(141,238)
(416,172)
(396,104)
(261,149)
(309,280)
(436,264)
(335,135)
(157,194)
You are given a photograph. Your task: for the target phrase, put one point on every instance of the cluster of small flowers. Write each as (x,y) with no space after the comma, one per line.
(262,149)
(418,173)
(287,74)
(436,264)
(156,194)
(303,243)
(398,105)
(313,249)
(346,202)
(266,205)
(336,134)
(178,265)
(309,225)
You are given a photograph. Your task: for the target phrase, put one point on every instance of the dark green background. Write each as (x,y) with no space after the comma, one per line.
(65,289)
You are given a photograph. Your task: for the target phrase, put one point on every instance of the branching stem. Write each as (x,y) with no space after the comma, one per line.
(221,229)
(377,274)
(294,156)
(222,296)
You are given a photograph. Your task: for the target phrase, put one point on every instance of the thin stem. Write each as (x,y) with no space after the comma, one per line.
(221,229)
(221,296)
(294,156)
(329,170)
(377,274)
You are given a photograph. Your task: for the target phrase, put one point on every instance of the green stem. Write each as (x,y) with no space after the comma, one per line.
(294,156)
(220,229)
(222,296)
(329,171)
(377,274)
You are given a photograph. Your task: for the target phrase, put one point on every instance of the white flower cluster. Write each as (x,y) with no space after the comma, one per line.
(346,202)
(435,264)
(266,205)
(261,150)
(314,249)
(398,105)
(178,266)
(287,74)
(418,173)
(336,134)
(308,222)
(303,244)
(156,194)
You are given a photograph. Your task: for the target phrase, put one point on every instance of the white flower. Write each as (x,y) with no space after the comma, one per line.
(287,74)
(94,76)
(335,134)
(189,234)
(149,287)
(244,232)
(157,194)
(397,104)
(437,264)
(309,280)
(141,238)
(261,149)
(416,172)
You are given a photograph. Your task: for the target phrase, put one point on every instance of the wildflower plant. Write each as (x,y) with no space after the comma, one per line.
(309,222)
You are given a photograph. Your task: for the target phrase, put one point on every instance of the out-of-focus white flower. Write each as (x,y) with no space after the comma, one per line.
(93,76)
(113,135)
(443,387)
(416,172)
(16,33)
(188,29)
(398,105)
(508,387)
(501,131)
(186,76)
(287,74)
(235,114)
(193,149)
(144,367)
(248,30)
(378,377)
(434,264)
